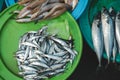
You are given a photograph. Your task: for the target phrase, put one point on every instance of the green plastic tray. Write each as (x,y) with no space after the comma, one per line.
(11,31)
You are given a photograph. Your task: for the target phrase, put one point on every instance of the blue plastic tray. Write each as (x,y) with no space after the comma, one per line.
(85,20)
(76,13)
(1,4)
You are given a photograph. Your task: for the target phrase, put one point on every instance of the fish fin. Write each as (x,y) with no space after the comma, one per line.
(106,66)
(109,64)
(100,69)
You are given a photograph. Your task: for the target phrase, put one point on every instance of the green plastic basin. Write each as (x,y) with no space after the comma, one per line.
(11,31)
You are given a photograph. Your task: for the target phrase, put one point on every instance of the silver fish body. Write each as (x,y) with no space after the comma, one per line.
(113,16)
(108,32)
(97,37)
(117,30)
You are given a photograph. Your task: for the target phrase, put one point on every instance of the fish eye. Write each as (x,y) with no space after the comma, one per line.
(118,17)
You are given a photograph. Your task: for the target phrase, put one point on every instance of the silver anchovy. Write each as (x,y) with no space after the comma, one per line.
(39,64)
(27,68)
(61,42)
(27,73)
(52,57)
(23,20)
(60,53)
(117,30)
(39,56)
(41,77)
(56,66)
(29,44)
(27,53)
(108,32)
(97,37)
(30,76)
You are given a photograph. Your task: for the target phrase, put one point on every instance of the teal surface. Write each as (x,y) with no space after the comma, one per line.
(1,4)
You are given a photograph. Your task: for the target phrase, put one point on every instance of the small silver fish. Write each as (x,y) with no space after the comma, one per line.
(39,64)
(40,58)
(60,53)
(61,42)
(27,73)
(70,51)
(43,30)
(41,77)
(34,37)
(52,57)
(31,77)
(27,53)
(108,32)
(23,12)
(29,44)
(20,52)
(56,66)
(42,55)
(27,68)
(23,20)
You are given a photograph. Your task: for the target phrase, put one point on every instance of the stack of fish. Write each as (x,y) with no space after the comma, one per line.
(35,10)
(42,56)
(106,33)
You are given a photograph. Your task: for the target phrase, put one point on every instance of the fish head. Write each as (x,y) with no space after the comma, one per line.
(97,18)
(118,15)
(72,3)
(112,12)
(68,7)
(111,9)
(104,13)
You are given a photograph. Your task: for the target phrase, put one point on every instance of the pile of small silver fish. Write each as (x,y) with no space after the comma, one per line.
(42,56)
(106,34)
(35,10)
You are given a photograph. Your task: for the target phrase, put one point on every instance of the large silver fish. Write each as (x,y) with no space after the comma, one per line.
(117,30)
(108,32)
(113,15)
(97,37)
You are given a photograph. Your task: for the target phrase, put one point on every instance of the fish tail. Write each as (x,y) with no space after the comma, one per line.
(108,61)
(99,65)
(114,58)
(99,69)
(106,66)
